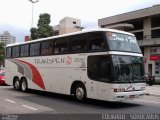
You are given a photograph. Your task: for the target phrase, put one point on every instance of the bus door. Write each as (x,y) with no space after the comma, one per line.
(90,76)
(99,73)
(104,75)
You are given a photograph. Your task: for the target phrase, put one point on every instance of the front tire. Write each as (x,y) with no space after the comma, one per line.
(24,85)
(80,92)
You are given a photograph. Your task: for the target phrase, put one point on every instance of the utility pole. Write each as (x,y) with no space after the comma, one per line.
(33,2)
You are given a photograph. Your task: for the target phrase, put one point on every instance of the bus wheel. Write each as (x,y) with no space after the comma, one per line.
(16,83)
(24,85)
(80,92)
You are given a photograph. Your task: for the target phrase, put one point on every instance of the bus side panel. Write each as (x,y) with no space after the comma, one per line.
(91,85)
(56,79)
(11,70)
(103,91)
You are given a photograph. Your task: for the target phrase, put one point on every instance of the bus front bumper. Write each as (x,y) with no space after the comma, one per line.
(122,96)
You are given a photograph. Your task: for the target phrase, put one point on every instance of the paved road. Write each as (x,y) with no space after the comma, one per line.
(42,104)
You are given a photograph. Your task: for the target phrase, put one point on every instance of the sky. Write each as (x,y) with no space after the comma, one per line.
(16,15)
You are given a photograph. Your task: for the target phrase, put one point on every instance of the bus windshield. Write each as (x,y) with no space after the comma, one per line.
(128,68)
(122,42)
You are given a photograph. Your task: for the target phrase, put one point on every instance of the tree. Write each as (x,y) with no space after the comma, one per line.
(44,29)
(2,53)
(34,33)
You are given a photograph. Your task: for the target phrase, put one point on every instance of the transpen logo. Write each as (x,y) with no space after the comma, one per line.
(68,60)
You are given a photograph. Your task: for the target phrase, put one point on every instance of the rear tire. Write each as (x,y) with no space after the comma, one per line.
(80,92)
(16,84)
(24,85)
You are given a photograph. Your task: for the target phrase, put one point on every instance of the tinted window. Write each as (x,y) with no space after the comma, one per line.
(79,43)
(61,46)
(96,42)
(8,53)
(47,47)
(15,52)
(34,49)
(104,68)
(99,68)
(24,50)
(92,67)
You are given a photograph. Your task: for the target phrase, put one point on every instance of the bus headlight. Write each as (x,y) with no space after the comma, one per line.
(119,90)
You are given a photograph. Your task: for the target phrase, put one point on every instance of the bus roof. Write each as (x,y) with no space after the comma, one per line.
(69,34)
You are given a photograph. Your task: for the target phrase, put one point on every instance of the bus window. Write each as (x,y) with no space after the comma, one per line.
(47,47)
(34,49)
(122,42)
(99,68)
(78,43)
(104,68)
(24,50)
(92,67)
(15,52)
(8,51)
(61,45)
(96,42)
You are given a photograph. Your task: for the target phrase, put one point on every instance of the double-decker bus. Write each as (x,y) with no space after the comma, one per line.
(101,64)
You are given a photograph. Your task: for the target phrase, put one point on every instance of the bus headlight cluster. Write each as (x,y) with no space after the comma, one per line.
(119,90)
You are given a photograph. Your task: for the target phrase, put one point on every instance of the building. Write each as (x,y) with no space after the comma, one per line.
(7,38)
(145,24)
(67,25)
(27,38)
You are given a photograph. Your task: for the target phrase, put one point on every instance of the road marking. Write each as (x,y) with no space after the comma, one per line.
(9,101)
(147,101)
(29,107)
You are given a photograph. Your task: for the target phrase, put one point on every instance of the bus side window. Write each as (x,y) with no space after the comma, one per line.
(35,49)
(8,52)
(24,52)
(92,67)
(96,45)
(99,68)
(78,43)
(97,42)
(44,47)
(61,45)
(47,47)
(15,52)
(104,68)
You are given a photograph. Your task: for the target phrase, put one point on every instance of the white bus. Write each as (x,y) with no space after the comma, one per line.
(98,64)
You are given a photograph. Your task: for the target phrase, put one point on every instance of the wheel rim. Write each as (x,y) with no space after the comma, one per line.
(24,85)
(17,84)
(80,93)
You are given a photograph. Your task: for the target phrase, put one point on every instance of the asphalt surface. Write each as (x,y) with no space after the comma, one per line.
(40,105)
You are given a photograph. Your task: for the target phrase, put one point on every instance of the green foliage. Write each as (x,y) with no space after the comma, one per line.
(44,29)
(2,53)
(44,19)
(34,33)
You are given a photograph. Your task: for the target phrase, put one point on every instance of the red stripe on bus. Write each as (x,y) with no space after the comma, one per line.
(36,76)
